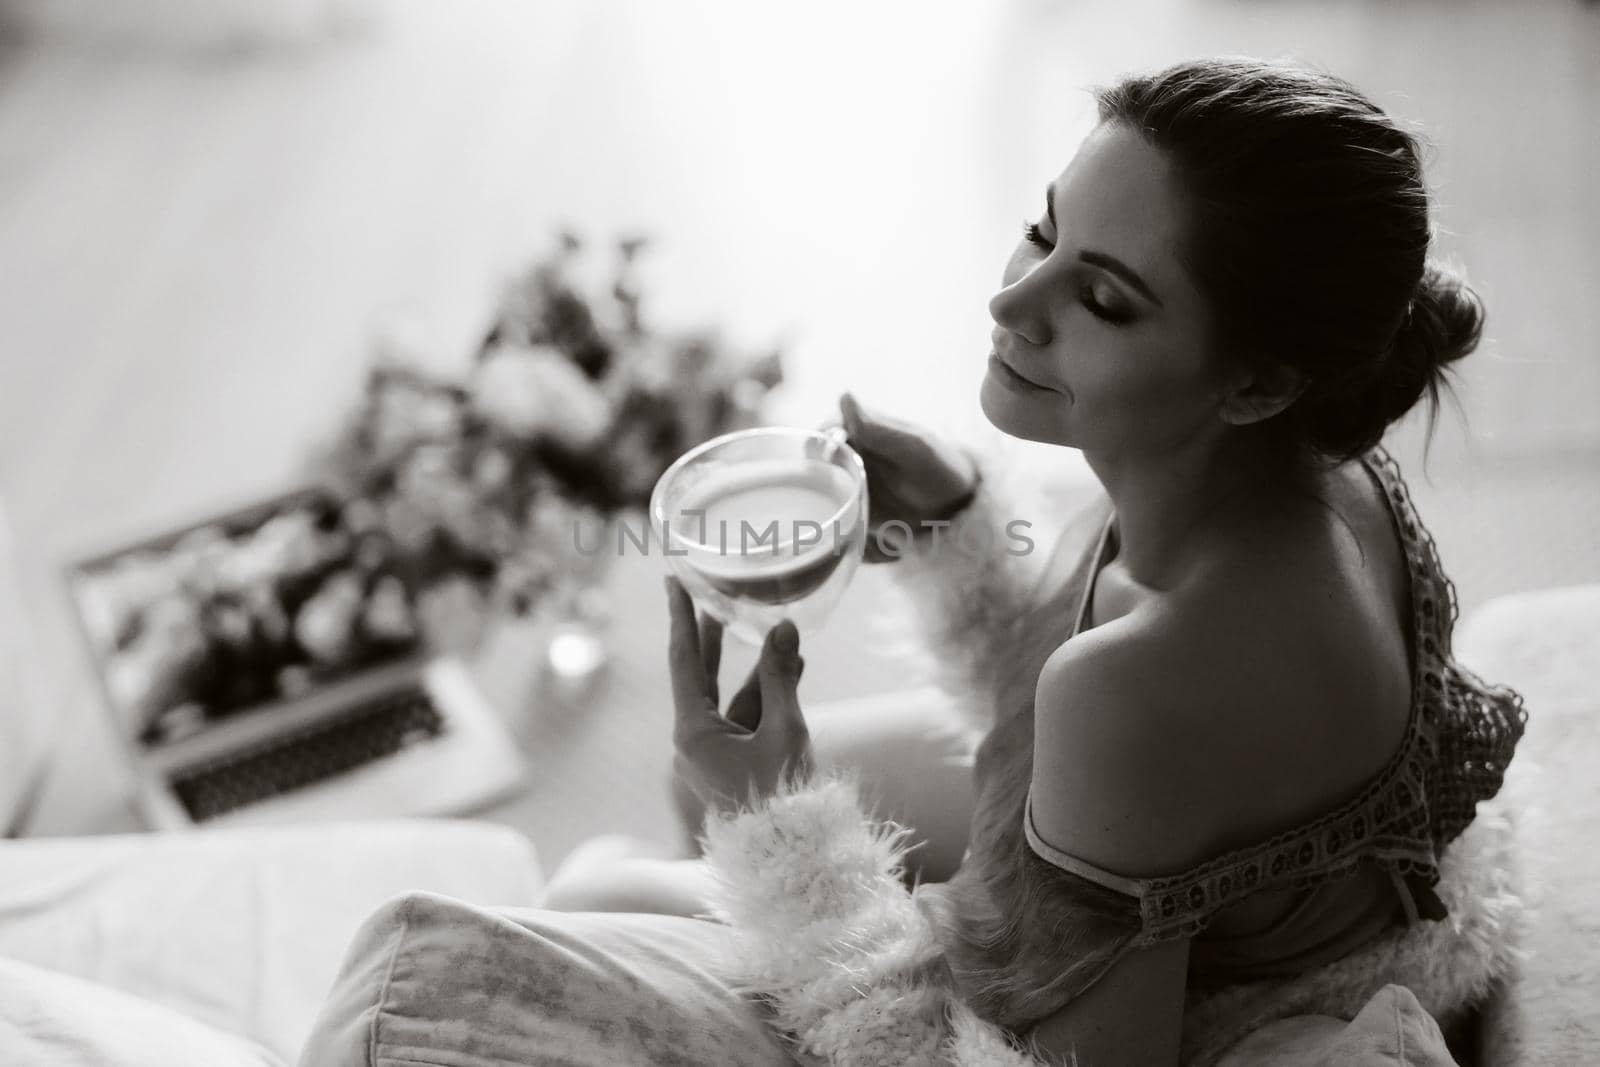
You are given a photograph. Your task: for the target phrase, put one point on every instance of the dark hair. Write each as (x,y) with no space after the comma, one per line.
(1309,236)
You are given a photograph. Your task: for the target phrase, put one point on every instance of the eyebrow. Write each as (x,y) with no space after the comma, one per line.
(1103,260)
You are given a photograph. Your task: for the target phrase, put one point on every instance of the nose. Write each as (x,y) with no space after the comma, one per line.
(1022,306)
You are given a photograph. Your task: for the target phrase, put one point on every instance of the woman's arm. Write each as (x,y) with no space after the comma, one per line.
(1121,781)
(1132,1015)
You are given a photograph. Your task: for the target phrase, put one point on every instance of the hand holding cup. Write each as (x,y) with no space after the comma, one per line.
(914,477)
(734,761)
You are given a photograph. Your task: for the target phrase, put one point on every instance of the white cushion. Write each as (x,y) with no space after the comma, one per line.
(54,1020)
(241,929)
(1546,644)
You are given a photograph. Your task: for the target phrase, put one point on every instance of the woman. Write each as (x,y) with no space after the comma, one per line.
(1224,301)
(1229,747)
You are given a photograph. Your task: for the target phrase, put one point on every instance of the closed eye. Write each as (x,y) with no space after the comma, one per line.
(1099,310)
(1036,237)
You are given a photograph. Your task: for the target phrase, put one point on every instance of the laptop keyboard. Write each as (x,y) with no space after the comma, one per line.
(359,735)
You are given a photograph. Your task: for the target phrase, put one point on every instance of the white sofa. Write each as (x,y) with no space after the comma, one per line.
(226,942)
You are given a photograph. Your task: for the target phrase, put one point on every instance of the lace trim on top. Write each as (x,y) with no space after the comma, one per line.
(1459,738)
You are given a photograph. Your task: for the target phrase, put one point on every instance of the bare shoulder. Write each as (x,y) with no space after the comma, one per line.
(1119,757)
(1279,664)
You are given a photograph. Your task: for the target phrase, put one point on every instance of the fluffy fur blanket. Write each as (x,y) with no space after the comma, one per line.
(830,939)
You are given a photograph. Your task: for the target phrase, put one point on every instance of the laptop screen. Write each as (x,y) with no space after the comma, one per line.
(266,604)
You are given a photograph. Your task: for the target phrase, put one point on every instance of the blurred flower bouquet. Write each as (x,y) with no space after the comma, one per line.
(444,501)
(573,407)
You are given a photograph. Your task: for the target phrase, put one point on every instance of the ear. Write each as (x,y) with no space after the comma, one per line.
(1256,395)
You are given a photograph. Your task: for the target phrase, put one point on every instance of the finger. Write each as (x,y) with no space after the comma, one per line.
(856,425)
(877,432)
(744,710)
(849,411)
(778,670)
(711,653)
(869,421)
(690,700)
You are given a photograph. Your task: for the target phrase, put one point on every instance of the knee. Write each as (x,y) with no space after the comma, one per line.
(597,890)
(658,887)
(341,1034)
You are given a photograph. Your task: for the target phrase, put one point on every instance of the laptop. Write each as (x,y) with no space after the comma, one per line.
(268,665)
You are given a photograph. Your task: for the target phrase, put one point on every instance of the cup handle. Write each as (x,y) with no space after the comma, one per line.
(837,437)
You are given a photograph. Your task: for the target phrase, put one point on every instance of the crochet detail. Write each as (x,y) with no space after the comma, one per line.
(1459,740)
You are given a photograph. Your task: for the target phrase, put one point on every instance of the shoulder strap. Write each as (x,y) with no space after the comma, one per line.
(1133,887)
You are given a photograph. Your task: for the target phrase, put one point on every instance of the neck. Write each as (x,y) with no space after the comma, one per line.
(1162,499)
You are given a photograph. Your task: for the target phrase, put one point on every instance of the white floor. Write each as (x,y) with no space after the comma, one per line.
(198,248)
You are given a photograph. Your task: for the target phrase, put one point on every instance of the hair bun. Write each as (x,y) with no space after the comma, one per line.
(1445,323)
(1446,316)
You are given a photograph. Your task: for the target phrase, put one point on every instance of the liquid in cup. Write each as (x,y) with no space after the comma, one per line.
(763,525)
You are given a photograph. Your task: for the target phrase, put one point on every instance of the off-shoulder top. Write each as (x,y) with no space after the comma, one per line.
(1029,927)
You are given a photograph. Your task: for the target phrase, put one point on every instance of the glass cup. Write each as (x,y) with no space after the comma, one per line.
(765,524)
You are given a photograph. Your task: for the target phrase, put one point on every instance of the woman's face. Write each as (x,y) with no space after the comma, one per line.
(1099,331)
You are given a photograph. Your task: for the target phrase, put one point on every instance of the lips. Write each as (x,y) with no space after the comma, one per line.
(1007,369)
